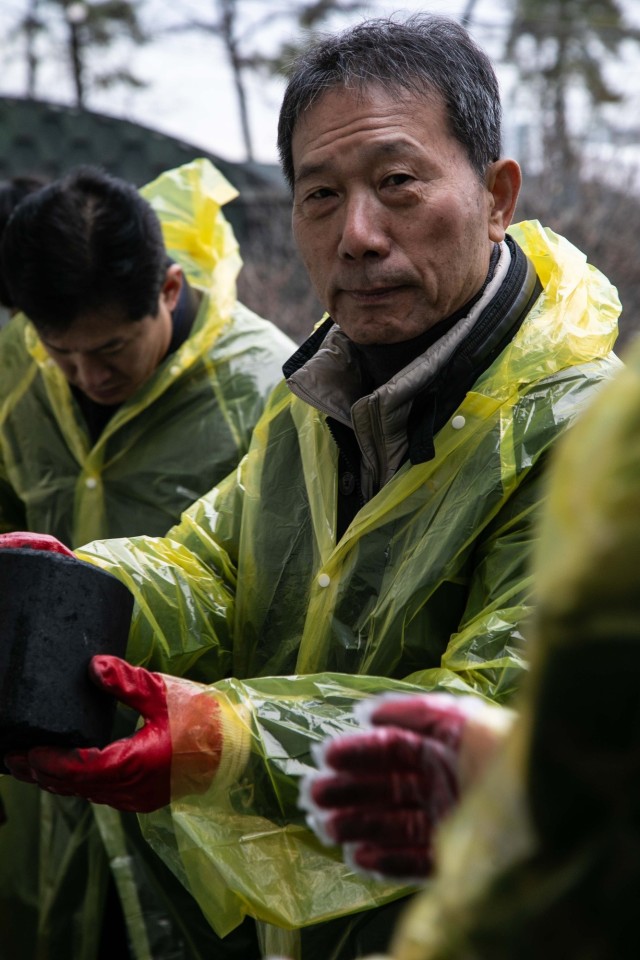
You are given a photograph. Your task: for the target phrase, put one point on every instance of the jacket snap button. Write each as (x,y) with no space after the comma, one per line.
(458,422)
(324,580)
(347,484)
(174,370)
(91,483)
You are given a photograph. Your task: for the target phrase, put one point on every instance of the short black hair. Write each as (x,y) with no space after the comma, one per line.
(425,54)
(88,242)
(12,191)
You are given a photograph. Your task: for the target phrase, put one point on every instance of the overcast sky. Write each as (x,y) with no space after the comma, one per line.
(190,95)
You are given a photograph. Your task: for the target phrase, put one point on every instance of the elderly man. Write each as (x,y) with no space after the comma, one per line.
(376,536)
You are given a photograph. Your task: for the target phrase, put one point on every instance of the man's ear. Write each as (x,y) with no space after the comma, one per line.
(172,285)
(503,183)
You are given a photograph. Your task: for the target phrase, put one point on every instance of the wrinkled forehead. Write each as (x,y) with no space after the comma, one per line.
(361,90)
(370,116)
(328,105)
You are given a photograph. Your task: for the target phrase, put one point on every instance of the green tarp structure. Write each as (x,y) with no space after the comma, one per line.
(49,138)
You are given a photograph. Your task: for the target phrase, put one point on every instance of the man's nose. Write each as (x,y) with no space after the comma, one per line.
(91,372)
(363,231)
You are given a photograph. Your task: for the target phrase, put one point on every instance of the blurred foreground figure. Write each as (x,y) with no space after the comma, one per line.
(543,860)
(129,385)
(377,535)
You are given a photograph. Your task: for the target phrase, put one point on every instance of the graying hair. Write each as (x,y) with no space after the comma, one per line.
(424,54)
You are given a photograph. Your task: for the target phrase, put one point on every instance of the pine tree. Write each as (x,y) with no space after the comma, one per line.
(572,42)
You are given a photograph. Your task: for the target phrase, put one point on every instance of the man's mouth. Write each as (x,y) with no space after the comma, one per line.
(373,294)
(105,394)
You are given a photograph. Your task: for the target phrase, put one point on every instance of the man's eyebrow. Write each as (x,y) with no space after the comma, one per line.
(387,148)
(103,346)
(310,170)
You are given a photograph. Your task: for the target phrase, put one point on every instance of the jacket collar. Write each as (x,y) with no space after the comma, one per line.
(325,373)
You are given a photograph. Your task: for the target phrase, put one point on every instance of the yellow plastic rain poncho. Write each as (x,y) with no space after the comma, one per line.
(429,581)
(187,427)
(542,858)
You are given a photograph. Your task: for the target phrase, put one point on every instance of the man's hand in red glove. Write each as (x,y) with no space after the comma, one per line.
(22,540)
(177,751)
(382,791)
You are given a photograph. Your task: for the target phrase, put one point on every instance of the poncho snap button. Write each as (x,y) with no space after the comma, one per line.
(174,370)
(91,483)
(458,422)
(324,580)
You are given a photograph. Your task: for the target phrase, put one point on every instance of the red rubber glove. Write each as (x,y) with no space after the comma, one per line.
(177,750)
(33,541)
(382,791)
